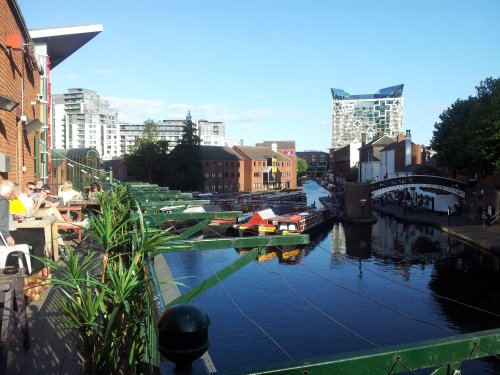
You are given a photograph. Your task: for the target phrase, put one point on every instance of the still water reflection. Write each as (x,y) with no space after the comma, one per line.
(354,287)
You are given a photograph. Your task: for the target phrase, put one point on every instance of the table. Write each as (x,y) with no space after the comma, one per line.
(49,225)
(67,210)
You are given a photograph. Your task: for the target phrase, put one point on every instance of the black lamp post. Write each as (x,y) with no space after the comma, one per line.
(183,336)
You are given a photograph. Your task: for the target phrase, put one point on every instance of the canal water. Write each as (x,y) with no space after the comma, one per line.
(354,287)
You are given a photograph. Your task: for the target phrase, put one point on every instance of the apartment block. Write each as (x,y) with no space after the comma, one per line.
(372,115)
(82,119)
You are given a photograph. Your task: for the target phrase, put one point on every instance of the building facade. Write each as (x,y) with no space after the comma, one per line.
(318,162)
(81,119)
(265,169)
(398,155)
(212,133)
(223,169)
(20,108)
(374,115)
(342,160)
(369,159)
(168,130)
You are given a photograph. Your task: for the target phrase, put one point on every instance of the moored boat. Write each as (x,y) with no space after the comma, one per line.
(303,222)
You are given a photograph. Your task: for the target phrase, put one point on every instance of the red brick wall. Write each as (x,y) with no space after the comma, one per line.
(14,66)
(354,192)
(228,170)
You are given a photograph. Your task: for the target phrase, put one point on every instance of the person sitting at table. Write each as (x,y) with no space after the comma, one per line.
(26,197)
(47,204)
(16,206)
(95,187)
(38,188)
(34,237)
(67,193)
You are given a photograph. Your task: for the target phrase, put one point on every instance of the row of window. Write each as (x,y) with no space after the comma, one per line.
(219,175)
(227,187)
(219,164)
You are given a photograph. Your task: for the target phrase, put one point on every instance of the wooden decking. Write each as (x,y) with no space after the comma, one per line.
(53,350)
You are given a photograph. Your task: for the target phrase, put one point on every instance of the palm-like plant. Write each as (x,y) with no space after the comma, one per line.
(106,302)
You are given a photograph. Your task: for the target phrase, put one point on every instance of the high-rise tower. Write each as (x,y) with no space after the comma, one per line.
(372,114)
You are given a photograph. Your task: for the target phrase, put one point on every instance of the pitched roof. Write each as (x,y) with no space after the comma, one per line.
(384,140)
(218,153)
(259,153)
(279,144)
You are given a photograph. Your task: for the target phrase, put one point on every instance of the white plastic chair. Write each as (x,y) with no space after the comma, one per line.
(5,250)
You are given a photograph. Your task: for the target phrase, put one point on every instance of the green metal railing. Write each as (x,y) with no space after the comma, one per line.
(442,356)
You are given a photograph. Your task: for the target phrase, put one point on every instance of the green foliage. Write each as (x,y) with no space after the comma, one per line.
(184,162)
(104,292)
(467,138)
(148,160)
(301,167)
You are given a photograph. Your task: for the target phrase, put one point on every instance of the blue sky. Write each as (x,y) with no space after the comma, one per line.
(265,67)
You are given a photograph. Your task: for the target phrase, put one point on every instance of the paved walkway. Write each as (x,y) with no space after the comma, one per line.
(468,230)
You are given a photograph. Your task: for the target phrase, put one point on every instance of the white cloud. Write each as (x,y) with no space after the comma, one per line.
(140,110)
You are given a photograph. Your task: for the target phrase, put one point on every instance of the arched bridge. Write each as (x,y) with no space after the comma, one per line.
(440,183)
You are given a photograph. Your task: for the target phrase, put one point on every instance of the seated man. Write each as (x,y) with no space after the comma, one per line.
(25,197)
(47,204)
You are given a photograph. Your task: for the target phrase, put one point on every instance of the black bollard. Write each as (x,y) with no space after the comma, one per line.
(183,336)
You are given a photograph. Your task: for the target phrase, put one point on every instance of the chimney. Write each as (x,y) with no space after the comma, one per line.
(274,146)
(363,139)
(408,157)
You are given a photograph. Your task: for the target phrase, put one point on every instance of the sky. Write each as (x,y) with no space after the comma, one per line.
(265,67)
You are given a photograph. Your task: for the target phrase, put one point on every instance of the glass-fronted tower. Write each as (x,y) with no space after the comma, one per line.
(373,115)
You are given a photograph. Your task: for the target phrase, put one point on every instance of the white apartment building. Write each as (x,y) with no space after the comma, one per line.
(81,119)
(168,130)
(211,133)
(374,115)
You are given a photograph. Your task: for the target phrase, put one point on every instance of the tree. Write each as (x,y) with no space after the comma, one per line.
(467,138)
(148,160)
(184,162)
(301,167)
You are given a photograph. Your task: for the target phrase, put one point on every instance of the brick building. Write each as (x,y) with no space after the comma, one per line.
(20,75)
(223,169)
(266,169)
(342,160)
(318,162)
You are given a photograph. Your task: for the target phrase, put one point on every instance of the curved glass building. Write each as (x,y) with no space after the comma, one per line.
(374,115)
